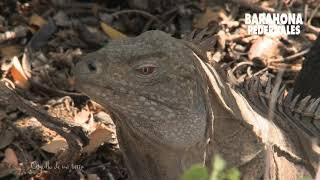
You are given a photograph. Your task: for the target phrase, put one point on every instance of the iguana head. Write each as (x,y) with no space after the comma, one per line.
(151,83)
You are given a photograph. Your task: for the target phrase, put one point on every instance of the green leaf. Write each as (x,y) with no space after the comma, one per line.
(218,165)
(305,178)
(233,174)
(196,172)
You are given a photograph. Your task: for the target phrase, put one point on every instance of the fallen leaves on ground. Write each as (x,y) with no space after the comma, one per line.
(208,16)
(55,145)
(10,157)
(6,137)
(100,135)
(37,22)
(18,74)
(264,49)
(111,32)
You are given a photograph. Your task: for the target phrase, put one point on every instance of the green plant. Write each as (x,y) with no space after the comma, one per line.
(219,171)
(305,178)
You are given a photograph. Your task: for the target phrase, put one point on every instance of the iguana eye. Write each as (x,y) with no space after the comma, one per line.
(146,69)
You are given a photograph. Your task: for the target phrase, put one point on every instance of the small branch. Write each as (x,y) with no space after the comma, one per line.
(313,14)
(54,91)
(311,28)
(292,57)
(174,9)
(26,137)
(144,13)
(253,7)
(18,32)
(73,133)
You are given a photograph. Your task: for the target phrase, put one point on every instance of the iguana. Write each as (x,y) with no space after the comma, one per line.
(173,109)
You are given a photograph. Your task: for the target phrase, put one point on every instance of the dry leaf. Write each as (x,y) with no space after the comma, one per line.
(6,171)
(58,143)
(42,36)
(93,177)
(26,64)
(85,119)
(310,36)
(9,51)
(6,137)
(82,117)
(209,16)
(37,21)
(10,157)
(111,32)
(101,135)
(19,77)
(264,49)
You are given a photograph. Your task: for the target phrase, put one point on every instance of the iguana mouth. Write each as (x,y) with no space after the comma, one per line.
(90,85)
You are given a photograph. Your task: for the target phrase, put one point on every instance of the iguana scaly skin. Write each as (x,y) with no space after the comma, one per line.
(172,110)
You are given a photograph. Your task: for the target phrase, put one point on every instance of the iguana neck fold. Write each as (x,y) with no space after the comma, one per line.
(154,161)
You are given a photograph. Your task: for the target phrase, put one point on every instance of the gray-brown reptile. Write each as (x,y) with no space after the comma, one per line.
(172,110)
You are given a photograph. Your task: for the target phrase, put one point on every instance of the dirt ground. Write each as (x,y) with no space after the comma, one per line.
(40,41)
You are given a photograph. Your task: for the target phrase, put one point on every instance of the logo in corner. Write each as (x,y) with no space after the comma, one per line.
(274,23)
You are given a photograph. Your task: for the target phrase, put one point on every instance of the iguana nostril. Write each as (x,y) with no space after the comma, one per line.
(92,66)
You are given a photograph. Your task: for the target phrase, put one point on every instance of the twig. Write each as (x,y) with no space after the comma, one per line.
(313,14)
(253,7)
(54,91)
(292,57)
(241,64)
(18,32)
(311,28)
(286,67)
(27,138)
(76,5)
(147,25)
(260,71)
(170,11)
(232,77)
(72,132)
(308,24)
(144,13)
(305,13)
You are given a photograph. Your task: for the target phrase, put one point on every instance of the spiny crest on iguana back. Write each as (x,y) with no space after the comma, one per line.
(283,131)
(304,114)
(245,102)
(299,119)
